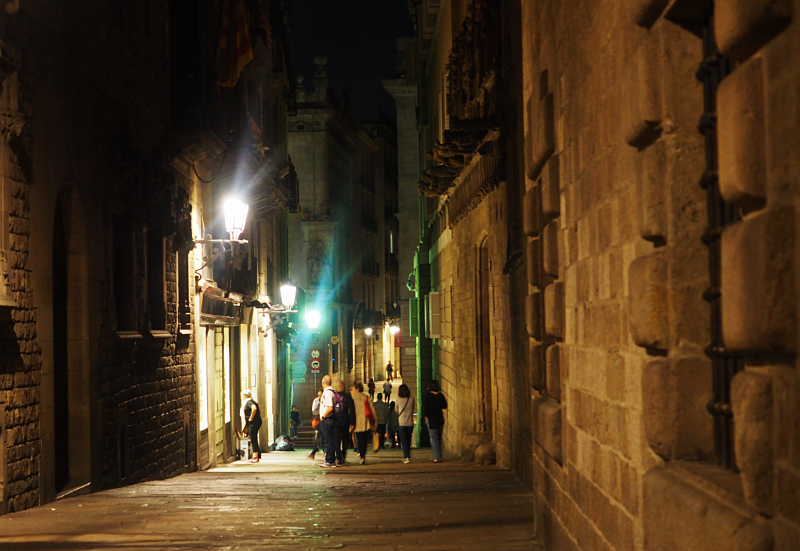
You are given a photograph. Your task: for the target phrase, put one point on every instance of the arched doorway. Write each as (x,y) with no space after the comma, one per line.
(64,338)
(483,339)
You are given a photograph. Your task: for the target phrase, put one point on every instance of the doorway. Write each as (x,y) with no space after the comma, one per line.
(60,353)
(483,338)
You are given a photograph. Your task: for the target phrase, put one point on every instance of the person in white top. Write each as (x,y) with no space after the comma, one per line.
(319,441)
(326,419)
(405,405)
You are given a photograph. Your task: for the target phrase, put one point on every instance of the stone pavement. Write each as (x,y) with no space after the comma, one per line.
(288,502)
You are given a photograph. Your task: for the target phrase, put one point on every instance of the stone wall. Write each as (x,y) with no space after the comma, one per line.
(91,90)
(617,222)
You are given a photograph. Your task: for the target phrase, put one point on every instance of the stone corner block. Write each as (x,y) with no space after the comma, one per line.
(743,27)
(553,369)
(742,149)
(531,220)
(751,398)
(550,249)
(547,427)
(533,308)
(759,311)
(644,110)
(652,209)
(647,12)
(649,301)
(554,309)
(532,262)
(543,134)
(537,365)
(551,188)
(674,398)
(677,514)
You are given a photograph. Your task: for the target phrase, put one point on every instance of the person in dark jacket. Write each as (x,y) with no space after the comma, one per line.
(345,423)
(252,420)
(433,404)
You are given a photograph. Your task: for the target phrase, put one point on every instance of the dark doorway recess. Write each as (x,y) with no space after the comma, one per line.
(60,353)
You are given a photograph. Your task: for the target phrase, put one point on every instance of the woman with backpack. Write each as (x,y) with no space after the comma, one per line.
(344,416)
(405,405)
(365,419)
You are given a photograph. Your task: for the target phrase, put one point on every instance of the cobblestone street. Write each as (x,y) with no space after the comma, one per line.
(289,502)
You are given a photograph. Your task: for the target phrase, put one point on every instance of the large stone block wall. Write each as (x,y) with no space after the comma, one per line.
(116,77)
(623,438)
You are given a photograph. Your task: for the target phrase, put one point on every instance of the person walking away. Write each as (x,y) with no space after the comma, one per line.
(327,420)
(391,426)
(365,419)
(389,374)
(318,439)
(294,422)
(387,391)
(345,421)
(405,419)
(433,406)
(371,387)
(252,420)
(381,415)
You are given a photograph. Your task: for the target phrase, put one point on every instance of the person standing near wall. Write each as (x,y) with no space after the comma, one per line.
(433,406)
(389,374)
(405,419)
(252,421)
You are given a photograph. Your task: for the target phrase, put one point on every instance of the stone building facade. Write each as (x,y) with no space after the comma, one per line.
(343,236)
(107,169)
(610,195)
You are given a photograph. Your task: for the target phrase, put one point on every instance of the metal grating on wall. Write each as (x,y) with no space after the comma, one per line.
(714,68)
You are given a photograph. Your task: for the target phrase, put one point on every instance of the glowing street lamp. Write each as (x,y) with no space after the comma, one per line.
(393,329)
(288,294)
(235,217)
(313,318)
(368,331)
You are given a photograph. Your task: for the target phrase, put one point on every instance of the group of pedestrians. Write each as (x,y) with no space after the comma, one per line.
(353,419)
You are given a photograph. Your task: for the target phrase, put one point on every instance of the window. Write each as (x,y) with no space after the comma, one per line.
(124,272)
(155,281)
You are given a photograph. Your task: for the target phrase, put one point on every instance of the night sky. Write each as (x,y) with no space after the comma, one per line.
(359,38)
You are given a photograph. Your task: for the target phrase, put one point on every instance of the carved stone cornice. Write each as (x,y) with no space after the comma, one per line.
(479,178)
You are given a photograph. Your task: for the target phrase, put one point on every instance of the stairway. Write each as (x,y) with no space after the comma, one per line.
(305,437)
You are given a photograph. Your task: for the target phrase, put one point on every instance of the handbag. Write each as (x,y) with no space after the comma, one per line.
(376,441)
(368,414)
(314,423)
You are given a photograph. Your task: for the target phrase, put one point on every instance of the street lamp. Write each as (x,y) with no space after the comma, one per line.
(288,294)
(368,331)
(313,318)
(394,329)
(235,217)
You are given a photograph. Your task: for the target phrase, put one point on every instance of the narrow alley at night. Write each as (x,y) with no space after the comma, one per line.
(399,274)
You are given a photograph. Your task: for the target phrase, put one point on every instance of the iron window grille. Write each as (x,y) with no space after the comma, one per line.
(725,364)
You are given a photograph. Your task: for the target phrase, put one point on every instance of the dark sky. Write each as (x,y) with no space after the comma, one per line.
(358,37)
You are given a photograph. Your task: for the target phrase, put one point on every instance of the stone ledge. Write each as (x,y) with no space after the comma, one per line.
(684,510)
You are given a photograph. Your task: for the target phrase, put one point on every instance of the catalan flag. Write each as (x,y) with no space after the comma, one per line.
(235,50)
(266,28)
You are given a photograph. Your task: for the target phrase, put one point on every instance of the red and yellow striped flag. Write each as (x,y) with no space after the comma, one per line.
(235,50)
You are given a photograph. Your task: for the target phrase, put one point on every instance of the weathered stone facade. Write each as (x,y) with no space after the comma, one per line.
(617,307)
(88,404)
